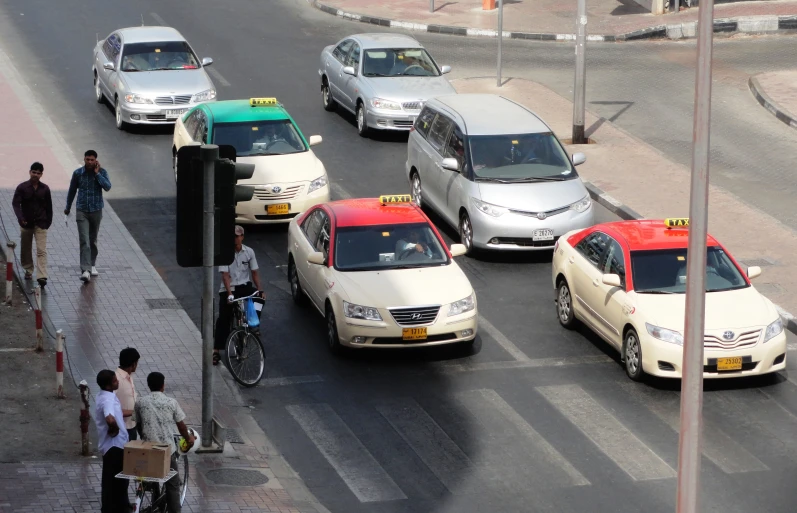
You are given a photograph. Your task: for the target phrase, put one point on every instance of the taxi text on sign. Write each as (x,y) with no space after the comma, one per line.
(395,198)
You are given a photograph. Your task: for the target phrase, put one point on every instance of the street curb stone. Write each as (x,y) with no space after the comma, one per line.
(767,103)
(688,30)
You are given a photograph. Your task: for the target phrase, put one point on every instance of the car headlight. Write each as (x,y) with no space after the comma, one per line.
(488,208)
(368,313)
(204,96)
(136,98)
(380,103)
(317,183)
(462,306)
(773,330)
(665,335)
(581,205)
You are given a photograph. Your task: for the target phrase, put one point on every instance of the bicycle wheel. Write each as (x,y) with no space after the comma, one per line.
(182,472)
(246,357)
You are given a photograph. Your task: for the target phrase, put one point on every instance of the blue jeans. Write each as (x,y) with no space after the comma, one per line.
(88,226)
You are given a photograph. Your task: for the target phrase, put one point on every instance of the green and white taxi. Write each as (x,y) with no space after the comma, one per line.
(288,177)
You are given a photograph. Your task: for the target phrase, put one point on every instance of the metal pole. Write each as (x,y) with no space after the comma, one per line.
(500,38)
(209,154)
(690,443)
(579,88)
(431,5)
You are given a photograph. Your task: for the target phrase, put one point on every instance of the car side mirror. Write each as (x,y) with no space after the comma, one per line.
(450,163)
(612,280)
(315,139)
(579,158)
(109,66)
(316,258)
(753,272)
(458,250)
(349,70)
(206,61)
(445,69)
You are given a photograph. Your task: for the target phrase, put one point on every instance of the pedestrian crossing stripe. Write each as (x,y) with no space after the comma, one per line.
(395,198)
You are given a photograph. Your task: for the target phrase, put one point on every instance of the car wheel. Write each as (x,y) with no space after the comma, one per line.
(98,95)
(120,124)
(632,355)
(296,288)
(466,232)
(564,306)
(416,191)
(362,126)
(333,342)
(326,97)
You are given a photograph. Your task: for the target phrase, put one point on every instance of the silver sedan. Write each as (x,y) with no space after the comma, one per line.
(383,79)
(150,75)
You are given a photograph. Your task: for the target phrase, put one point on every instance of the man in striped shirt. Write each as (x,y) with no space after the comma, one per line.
(88,182)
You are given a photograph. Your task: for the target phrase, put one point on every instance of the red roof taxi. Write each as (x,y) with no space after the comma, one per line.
(626,280)
(381,275)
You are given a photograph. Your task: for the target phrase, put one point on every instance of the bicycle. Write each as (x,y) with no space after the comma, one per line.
(151,491)
(244,350)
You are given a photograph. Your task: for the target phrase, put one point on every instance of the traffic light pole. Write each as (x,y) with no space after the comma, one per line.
(209,154)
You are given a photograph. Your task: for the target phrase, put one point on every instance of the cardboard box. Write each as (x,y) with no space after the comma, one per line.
(146,459)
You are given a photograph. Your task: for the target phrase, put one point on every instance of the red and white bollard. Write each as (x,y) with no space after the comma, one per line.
(59,364)
(37,294)
(10,245)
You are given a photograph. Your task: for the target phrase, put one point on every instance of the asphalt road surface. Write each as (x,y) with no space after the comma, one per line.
(538,420)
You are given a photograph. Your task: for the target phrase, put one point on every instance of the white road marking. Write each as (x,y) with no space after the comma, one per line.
(718,447)
(606,432)
(504,342)
(291,380)
(219,78)
(348,456)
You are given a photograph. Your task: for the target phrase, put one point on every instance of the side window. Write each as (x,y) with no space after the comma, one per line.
(312,225)
(322,244)
(614,263)
(455,148)
(592,247)
(354,58)
(439,132)
(424,121)
(342,50)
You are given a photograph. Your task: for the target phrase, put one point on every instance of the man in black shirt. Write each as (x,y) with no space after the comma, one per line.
(33,206)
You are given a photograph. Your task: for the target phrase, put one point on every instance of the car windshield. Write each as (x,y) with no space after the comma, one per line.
(168,55)
(399,62)
(664,271)
(377,248)
(519,157)
(253,138)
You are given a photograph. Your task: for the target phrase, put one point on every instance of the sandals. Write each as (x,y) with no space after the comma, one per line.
(216,358)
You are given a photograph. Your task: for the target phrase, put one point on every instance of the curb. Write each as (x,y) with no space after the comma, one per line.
(770,105)
(728,26)
(627,213)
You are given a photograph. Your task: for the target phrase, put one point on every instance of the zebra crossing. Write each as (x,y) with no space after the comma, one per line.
(479,442)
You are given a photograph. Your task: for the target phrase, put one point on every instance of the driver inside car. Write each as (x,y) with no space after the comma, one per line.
(412,245)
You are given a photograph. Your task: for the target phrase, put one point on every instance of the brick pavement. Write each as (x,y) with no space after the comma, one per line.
(114,311)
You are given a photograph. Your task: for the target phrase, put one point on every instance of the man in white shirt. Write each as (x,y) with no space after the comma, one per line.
(111,441)
(128,363)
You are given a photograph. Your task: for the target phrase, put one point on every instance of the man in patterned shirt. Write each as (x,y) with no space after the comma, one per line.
(88,182)
(156,417)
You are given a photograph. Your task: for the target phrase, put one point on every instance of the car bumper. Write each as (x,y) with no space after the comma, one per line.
(445,330)
(391,119)
(665,360)
(515,232)
(145,114)
(256,210)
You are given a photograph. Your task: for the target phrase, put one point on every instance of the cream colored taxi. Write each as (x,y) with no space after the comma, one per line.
(288,177)
(627,281)
(381,275)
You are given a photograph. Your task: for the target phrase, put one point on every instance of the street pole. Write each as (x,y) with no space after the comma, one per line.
(690,443)
(500,38)
(209,154)
(579,88)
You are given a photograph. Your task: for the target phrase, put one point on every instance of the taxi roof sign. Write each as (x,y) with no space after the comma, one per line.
(262,102)
(395,198)
(677,222)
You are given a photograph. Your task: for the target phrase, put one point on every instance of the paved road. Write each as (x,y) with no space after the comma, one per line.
(540,419)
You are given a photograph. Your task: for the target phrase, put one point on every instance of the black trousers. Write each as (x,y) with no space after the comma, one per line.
(114,491)
(225,313)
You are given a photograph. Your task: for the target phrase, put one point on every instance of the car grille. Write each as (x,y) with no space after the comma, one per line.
(743,339)
(415,315)
(412,105)
(173,100)
(398,340)
(548,213)
(527,242)
(286,193)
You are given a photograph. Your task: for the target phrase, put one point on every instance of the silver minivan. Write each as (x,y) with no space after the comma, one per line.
(495,171)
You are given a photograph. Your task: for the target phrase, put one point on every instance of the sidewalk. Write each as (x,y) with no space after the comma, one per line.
(127,305)
(554,20)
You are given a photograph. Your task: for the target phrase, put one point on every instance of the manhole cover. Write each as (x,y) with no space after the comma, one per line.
(163,304)
(236,477)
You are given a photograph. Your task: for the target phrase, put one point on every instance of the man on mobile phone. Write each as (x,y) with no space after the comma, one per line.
(88,182)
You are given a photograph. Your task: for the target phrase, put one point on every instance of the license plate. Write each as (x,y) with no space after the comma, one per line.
(413,333)
(280,208)
(542,235)
(174,114)
(734,363)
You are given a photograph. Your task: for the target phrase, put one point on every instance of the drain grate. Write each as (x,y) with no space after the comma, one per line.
(236,477)
(163,304)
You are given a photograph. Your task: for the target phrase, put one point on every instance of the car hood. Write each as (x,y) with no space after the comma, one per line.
(296,167)
(405,287)
(533,197)
(403,89)
(186,81)
(734,309)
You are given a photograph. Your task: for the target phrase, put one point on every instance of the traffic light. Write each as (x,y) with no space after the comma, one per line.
(227,195)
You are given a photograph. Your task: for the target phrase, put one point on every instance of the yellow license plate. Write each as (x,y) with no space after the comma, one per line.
(729,363)
(280,208)
(413,333)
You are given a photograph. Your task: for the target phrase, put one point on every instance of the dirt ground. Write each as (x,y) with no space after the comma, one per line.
(34,424)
